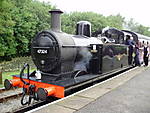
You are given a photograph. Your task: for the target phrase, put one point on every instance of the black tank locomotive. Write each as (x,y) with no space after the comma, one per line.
(66,61)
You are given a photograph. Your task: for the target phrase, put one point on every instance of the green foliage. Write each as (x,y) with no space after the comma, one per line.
(136,27)
(115,21)
(98,21)
(69,21)
(20,20)
(7,45)
(30,18)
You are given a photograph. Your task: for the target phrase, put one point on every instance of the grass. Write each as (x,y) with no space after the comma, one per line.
(8,75)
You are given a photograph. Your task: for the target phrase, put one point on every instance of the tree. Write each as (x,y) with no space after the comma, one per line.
(69,21)
(115,21)
(136,27)
(20,20)
(30,17)
(8,44)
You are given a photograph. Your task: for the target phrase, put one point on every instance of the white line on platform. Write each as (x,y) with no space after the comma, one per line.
(80,91)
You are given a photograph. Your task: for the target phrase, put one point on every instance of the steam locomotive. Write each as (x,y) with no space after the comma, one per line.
(66,61)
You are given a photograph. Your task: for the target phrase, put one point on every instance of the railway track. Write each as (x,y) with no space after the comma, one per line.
(2,89)
(33,106)
(6,95)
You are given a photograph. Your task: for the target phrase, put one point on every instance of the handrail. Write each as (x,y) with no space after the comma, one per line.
(22,71)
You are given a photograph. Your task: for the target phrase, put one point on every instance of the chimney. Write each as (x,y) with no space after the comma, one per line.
(55,20)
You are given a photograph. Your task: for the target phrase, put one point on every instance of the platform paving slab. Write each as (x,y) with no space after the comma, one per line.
(102,89)
(131,97)
(75,102)
(55,109)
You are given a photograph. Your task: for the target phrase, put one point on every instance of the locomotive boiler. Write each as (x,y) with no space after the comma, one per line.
(65,61)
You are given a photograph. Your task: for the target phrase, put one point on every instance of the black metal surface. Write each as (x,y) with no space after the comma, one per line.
(106,59)
(80,82)
(115,34)
(41,94)
(73,82)
(7,84)
(65,82)
(95,64)
(45,51)
(83,28)
(74,46)
(22,72)
(114,57)
(55,20)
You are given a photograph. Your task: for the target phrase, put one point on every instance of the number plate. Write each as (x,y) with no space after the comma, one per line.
(42,51)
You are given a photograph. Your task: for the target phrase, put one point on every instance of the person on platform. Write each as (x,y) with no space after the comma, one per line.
(136,58)
(130,43)
(146,54)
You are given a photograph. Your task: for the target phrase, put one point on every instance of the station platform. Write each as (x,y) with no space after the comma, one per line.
(128,92)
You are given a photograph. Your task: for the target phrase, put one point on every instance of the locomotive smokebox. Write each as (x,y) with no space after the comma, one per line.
(55,20)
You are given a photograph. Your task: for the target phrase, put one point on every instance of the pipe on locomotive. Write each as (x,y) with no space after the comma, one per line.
(55,20)
(8,84)
(43,93)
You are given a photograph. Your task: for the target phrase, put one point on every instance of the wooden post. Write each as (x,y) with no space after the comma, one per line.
(1,78)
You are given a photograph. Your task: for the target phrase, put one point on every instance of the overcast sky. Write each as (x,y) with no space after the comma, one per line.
(139,10)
